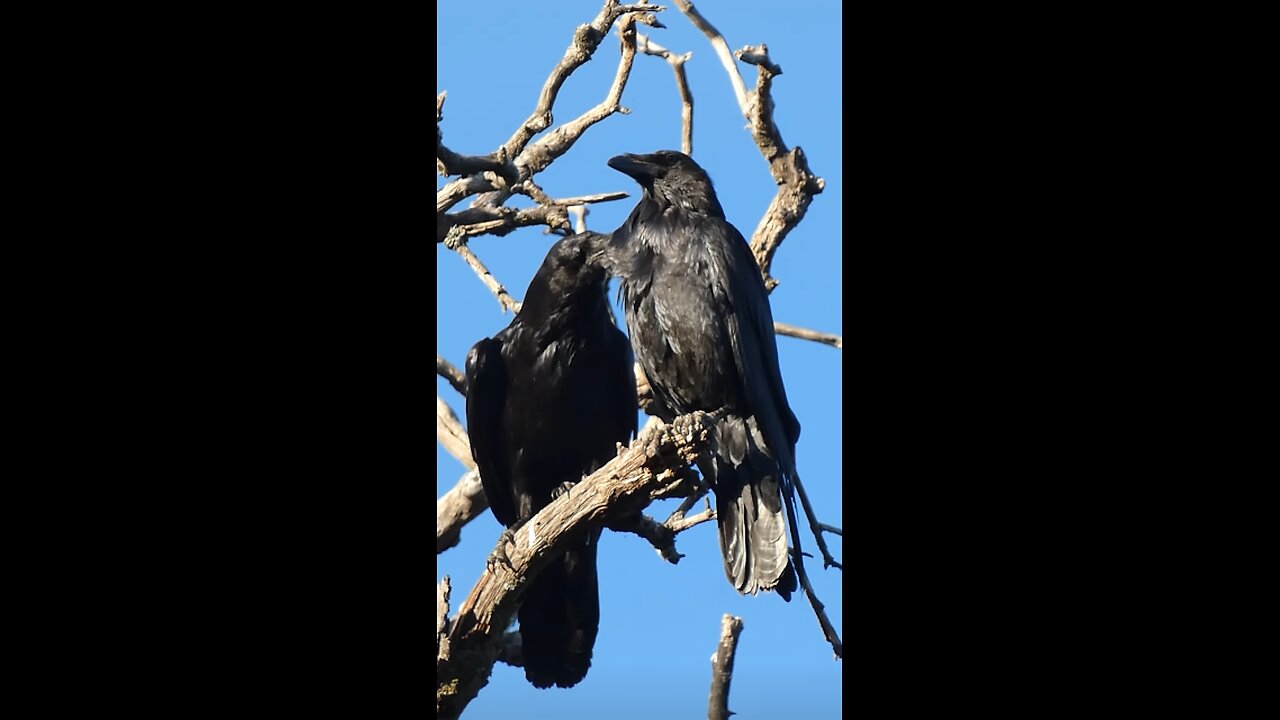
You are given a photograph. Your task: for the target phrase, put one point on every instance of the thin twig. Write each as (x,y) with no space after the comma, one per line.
(722,668)
(662,536)
(722,50)
(457,243)
(649,47)
(819,609)
(448,371)
(815,527)
(807,334)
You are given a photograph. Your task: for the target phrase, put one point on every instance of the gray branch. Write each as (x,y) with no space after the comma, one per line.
(448,371)
(722,668)
(807,334)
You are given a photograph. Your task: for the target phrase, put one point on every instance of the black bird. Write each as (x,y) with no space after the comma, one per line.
(700,324)
(547,398)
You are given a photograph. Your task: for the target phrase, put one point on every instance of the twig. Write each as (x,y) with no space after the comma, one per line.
(454,192)
(464,502)
(451,435)
(722,50)
(446,370)
(536,157)
(456,242)
(819,609)
(816,527)
(722,668)
(586,38)
(662,536)
(482,220)
(623,486)
(807,334)
(649,47)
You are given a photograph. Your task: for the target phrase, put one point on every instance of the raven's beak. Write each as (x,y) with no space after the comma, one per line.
(632,165)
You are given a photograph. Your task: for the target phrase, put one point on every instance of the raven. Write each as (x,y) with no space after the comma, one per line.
(700,324)
(547,398)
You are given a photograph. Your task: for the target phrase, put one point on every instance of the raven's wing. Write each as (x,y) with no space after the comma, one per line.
(755,351)
(486,397)
(755,346)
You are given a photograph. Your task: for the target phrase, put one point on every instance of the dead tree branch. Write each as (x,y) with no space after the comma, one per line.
(494,177)
(448,371)
(623,486)
(451,435)
(649,47)
(722,668)
(790,170)
(442,619)
(722,50)
(457,243)
(586,38)
(807,334)
(464,502)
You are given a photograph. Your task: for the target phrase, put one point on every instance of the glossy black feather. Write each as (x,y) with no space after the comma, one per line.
(700,324)
(548,397)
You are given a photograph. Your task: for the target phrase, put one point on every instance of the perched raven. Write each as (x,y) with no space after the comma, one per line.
(699,319)
(547,398)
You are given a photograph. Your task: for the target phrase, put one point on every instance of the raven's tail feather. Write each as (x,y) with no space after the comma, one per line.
(753,530)
(559,619)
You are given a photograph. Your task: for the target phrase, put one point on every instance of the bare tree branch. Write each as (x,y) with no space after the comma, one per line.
(796,183)
(446,370)
(457,243)
(586,38)
(442,619)
(623,486)
(790,170)
(807,334)
(722,668)
(463,503)
(451,435)
(722,50)
(649,47)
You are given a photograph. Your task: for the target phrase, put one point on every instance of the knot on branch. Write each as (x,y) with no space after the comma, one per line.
(758,55)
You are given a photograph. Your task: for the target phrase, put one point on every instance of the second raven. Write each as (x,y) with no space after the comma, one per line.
(547,399)
(700,324)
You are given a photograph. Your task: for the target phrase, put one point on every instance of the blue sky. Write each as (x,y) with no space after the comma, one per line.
(660,622)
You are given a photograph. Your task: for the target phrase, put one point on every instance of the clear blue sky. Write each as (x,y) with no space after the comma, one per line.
(660,622)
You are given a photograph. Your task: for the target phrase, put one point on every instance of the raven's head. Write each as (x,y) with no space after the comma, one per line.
(671,178)
(573,264)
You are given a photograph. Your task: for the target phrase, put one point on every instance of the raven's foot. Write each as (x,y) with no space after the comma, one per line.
(499,554)
(561,489)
